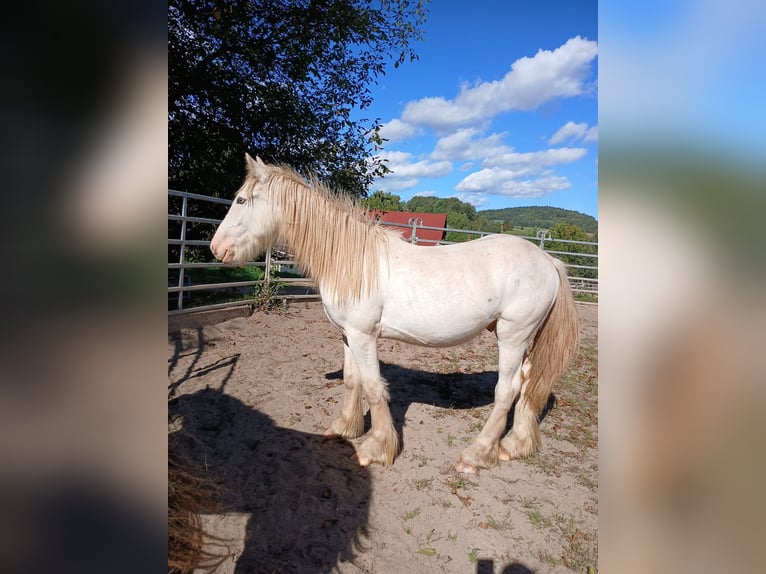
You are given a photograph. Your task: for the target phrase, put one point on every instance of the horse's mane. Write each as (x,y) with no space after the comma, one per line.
(329,233)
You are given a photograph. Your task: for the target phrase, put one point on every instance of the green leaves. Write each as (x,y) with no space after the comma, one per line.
(279,79)
(384,201)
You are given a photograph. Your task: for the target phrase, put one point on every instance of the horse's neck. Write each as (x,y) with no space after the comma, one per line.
(310,226)
(332,244)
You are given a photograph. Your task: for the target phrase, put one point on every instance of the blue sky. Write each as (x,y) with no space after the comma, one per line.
(501,108)
(686,71)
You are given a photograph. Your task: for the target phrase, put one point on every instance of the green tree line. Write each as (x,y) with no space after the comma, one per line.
(541,217)
(562,223)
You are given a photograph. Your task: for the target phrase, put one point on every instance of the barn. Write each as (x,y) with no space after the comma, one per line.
(403,221)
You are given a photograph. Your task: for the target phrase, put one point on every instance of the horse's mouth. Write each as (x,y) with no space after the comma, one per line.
(228,256)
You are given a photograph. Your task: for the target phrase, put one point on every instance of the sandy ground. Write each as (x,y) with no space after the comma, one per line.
(251,397)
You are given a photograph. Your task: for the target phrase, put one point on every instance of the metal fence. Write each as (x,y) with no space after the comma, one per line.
(182,287)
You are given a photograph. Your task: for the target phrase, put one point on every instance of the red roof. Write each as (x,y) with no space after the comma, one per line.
(425,236)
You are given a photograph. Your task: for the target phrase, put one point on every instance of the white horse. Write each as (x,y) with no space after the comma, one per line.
(374,284)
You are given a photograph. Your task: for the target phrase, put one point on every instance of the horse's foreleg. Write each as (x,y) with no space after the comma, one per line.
(382,442)
(350,423)
(524,438)
(485,452)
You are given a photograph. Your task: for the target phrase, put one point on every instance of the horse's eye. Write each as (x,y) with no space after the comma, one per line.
(241,200)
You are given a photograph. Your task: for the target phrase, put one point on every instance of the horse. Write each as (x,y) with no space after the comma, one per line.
(374,284)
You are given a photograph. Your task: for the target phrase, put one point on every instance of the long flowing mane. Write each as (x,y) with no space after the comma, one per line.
(329,233)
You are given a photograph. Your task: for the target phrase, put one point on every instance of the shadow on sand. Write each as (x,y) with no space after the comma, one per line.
(307,499)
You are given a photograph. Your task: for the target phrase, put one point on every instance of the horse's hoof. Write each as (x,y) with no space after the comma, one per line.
(361,460)
(503,454)
(516,448)
(466,468)
(342,429)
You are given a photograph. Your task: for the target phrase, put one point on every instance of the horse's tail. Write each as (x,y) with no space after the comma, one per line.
(554,345)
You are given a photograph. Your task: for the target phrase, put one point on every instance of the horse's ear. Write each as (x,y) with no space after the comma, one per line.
(255,167)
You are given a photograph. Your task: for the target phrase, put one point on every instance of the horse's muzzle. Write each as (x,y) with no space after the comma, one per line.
(221,248)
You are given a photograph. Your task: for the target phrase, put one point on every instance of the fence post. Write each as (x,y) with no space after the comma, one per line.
(414,235)
(181,257)
(542,236)
(267,270)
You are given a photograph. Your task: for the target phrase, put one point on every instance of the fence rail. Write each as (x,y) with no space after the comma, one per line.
(181,287)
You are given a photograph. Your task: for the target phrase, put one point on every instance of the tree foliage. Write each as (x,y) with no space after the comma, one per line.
(571,232)
(568,231)
(431,204)
(541,216)
(281,79)
(384,201)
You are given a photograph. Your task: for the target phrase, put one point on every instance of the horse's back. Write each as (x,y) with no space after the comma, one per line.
(491,264)
(448,294)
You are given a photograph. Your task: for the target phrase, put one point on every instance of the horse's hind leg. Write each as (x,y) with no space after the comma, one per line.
(382,442)
(485,451)
(350,423)
(524,438)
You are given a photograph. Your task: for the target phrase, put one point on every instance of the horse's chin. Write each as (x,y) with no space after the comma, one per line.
(242,256)
(237,259)
(233,257)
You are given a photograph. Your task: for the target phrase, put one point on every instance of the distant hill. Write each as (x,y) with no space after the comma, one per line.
(541,216)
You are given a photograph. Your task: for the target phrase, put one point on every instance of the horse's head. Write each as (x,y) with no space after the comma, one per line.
(252,224)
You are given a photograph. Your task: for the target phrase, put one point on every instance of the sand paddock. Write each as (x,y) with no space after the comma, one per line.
(251,397)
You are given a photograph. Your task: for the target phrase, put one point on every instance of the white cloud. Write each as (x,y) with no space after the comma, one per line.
(573,131)
(526,175)
(498,181)
(530,83)
(535,187)
(402,165)
(474,199)
(492,152)
(569,130)
(392,184)
(396,130)
(486,179)
(428,193)
(462,145)
(406,173)
(537,160)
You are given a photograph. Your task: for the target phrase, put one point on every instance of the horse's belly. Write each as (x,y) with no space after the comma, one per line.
(433,339)
(442,329)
